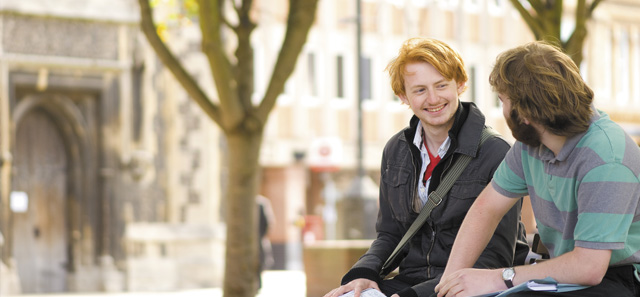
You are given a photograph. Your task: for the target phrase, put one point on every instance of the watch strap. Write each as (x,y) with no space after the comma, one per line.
(509,283)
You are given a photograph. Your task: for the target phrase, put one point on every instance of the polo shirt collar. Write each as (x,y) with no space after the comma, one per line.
(570,144)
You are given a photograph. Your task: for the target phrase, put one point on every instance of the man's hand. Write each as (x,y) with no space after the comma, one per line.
(470,282)
(356,285)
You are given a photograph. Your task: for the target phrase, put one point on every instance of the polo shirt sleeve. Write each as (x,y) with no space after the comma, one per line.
(607,200)
(509,179)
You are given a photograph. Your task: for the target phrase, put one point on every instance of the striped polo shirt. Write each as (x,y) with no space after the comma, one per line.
(587,196)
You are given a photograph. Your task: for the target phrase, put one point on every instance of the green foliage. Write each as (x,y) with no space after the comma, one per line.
(177,13)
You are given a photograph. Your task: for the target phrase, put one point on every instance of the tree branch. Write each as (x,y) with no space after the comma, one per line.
(221,68)
(555,19)
(244,72)
(301,16)
(171,62)
(592,7)
(575,42)
(579,32)
(533,24)
(537,5)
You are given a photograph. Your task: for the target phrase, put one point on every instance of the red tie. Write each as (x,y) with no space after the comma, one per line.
(433,161)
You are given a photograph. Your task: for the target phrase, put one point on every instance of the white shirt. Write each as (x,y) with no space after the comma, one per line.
(424,154)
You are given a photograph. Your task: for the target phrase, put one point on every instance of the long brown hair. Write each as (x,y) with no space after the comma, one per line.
(544,85)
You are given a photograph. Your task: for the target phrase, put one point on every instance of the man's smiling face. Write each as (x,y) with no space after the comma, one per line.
(432,98)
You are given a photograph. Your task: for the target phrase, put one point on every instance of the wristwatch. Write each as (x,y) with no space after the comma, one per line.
(507,276)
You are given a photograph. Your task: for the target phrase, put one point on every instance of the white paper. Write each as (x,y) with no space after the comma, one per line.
(365,293)
(541,286)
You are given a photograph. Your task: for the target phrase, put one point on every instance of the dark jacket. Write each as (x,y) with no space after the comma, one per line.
(427,254)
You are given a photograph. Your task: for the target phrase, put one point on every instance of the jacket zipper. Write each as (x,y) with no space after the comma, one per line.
(414,184)
(433,237)
(433,231)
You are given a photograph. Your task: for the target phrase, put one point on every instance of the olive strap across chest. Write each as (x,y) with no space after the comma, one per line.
(435,198)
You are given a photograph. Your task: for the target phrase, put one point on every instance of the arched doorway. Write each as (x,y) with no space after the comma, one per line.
(40,244)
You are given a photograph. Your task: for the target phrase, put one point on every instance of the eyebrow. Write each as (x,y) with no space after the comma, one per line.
(444,80)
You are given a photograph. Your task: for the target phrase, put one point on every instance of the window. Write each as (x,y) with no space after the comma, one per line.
(496,7)
(635,72)
(421,3)
(472,6)
(472,85)
(365,78)
(137,102)
(339,76)
(311,75)
(622,78)
(448,4)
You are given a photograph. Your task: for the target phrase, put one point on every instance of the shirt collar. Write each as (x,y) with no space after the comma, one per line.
(569,144)
(417,141)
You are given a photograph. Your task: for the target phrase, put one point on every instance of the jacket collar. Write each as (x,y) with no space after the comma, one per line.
(465,133)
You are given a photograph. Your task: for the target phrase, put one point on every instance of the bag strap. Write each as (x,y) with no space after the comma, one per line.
(435,198)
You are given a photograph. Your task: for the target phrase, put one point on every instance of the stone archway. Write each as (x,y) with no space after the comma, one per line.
(40,233)
(54,164)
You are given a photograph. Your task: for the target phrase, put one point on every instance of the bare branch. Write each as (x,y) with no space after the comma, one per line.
(574,44)
(301,16)
(537,5)
(226,22)
(592,7)
(533,24)
(221,68)
(168,59)
(555,19)
(244,72)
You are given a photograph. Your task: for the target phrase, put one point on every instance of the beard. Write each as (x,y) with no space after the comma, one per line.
(522,132)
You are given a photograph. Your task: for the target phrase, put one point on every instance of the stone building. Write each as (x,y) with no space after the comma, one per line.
(612,64)
(105,182)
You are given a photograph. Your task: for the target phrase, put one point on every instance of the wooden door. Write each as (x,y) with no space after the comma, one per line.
(40,233)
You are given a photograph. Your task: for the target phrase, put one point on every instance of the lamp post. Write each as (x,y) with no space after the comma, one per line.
(360,166)
(358,209)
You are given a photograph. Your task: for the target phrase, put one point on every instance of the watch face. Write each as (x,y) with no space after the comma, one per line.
(508,274)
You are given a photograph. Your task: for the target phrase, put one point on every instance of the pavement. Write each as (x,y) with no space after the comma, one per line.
(275,283)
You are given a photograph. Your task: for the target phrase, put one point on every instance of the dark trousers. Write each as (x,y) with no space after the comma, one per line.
(395,285)
(617,282)
(392,286)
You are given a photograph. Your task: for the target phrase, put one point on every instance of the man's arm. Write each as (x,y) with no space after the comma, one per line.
(477,228)
(580,266)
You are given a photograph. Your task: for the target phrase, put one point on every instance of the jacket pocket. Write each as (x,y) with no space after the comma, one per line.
(466,189)
(397,192)
(396,176)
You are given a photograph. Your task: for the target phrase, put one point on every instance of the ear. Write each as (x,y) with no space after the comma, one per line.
(404,99)
(462,87)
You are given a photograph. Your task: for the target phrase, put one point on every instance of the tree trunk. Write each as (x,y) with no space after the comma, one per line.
(241,278)
(544,20)
(241,121)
